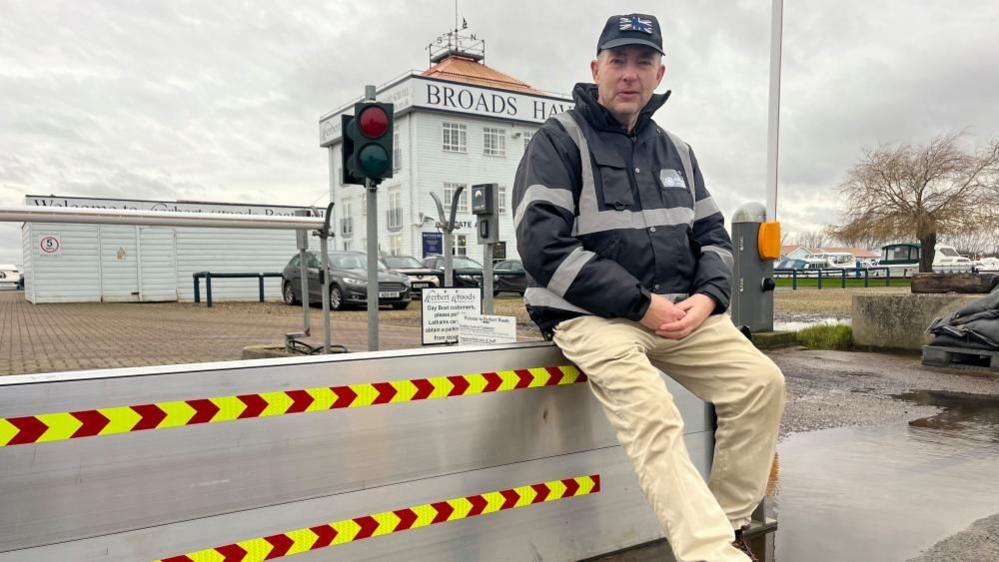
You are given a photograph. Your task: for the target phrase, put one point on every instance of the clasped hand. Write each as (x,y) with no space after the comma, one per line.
(677,321)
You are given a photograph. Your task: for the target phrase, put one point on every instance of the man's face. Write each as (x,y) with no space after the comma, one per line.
(625,78)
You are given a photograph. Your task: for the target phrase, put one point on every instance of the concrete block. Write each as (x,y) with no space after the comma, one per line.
(900,321)
(774,340)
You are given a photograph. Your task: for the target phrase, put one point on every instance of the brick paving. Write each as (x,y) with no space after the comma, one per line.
(70,337)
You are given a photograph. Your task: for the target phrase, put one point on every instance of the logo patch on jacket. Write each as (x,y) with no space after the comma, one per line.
(671,178)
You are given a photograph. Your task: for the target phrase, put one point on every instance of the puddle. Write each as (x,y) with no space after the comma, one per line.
(888,492)
(973,416)
(793,324)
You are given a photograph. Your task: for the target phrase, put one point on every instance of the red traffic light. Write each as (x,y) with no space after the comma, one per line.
(373,122)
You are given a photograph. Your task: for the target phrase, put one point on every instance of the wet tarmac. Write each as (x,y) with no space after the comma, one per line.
(882,459)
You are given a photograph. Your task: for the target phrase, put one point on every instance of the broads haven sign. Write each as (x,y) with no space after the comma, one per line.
(419,92)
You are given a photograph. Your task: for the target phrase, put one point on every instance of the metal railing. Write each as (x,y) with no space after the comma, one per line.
(208,275)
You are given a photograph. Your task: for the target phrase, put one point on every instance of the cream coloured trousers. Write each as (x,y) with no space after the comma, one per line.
(622,360)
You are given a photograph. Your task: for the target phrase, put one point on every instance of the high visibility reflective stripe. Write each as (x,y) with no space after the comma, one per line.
(726,256)
(683,150)
(561,198)
(705,208)
(568,270)
(335,533)
(588,195)
(61,426)
(540,296)
(636,220)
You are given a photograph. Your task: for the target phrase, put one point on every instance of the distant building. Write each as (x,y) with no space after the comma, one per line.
(794,252)
(458,123)
(125,263)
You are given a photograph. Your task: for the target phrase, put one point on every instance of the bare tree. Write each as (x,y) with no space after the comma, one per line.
(810,239)
(899,192)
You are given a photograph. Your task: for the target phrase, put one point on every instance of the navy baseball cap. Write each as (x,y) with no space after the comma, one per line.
(631,29)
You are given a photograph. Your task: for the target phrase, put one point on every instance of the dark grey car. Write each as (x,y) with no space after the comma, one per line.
(467,272)
(509,276)
(348,282)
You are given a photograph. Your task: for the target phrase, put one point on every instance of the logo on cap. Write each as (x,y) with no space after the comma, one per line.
(635,23)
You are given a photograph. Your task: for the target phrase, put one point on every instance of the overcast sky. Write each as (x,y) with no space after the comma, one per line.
(220,100)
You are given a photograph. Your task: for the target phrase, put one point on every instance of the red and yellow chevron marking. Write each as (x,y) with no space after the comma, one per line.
(359,528)
(124,419)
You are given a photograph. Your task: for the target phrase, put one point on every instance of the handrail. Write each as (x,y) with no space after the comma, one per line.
(155,218)
(208,275)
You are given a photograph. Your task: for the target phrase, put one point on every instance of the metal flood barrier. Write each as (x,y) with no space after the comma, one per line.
(489,453)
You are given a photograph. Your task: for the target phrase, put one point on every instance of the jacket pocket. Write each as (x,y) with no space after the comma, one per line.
(674,190)
(612,183)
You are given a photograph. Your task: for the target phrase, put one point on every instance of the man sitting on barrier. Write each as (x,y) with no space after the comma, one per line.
(630,268)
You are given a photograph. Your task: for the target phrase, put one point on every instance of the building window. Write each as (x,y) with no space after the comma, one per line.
(449,189)
(455,137)
(461,245)
(493,142)
(396,152)
(527,139)
(347,221)
(395,244)
(501,199)
(394,213)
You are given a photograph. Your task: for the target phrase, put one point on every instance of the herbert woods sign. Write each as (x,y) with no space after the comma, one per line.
(418,92)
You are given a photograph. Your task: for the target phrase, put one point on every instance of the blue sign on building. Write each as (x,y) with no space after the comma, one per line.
(433,244)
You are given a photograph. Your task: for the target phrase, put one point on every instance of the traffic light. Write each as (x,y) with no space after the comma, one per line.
(367,143)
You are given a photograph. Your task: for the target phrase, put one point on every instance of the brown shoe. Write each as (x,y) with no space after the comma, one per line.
(743,544)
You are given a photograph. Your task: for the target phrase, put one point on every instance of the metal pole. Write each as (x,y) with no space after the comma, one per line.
(304,273)
(371,188)
(63,215)
(261,287)
(487,278)
(197,289)
(372,265)
(325,276)
(773,130)
(208,288)
(448,266)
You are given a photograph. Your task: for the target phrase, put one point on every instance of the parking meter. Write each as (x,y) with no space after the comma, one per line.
(753,284)
(484,207)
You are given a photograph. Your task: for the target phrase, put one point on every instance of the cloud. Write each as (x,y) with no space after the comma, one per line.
(220,100)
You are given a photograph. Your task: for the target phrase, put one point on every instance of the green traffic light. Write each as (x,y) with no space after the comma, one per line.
(373,159)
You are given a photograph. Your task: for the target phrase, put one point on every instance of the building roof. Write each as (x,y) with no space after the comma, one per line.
(857,252)
(468,71)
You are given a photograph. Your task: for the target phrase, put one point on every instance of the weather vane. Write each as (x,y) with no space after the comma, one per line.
(456,43)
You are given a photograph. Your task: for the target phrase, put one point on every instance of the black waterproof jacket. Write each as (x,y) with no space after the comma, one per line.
(604,218)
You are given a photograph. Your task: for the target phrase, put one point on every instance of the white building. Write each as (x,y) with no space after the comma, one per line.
(458,123)
(119,263)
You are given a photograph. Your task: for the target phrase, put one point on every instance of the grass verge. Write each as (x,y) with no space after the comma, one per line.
(836,282)
(835,336)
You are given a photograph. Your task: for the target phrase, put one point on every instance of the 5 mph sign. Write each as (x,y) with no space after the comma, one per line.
(50,245)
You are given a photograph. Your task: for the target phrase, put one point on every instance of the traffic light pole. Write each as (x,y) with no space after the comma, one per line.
(370,187)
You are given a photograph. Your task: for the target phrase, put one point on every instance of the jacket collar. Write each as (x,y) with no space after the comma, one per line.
(601,119)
